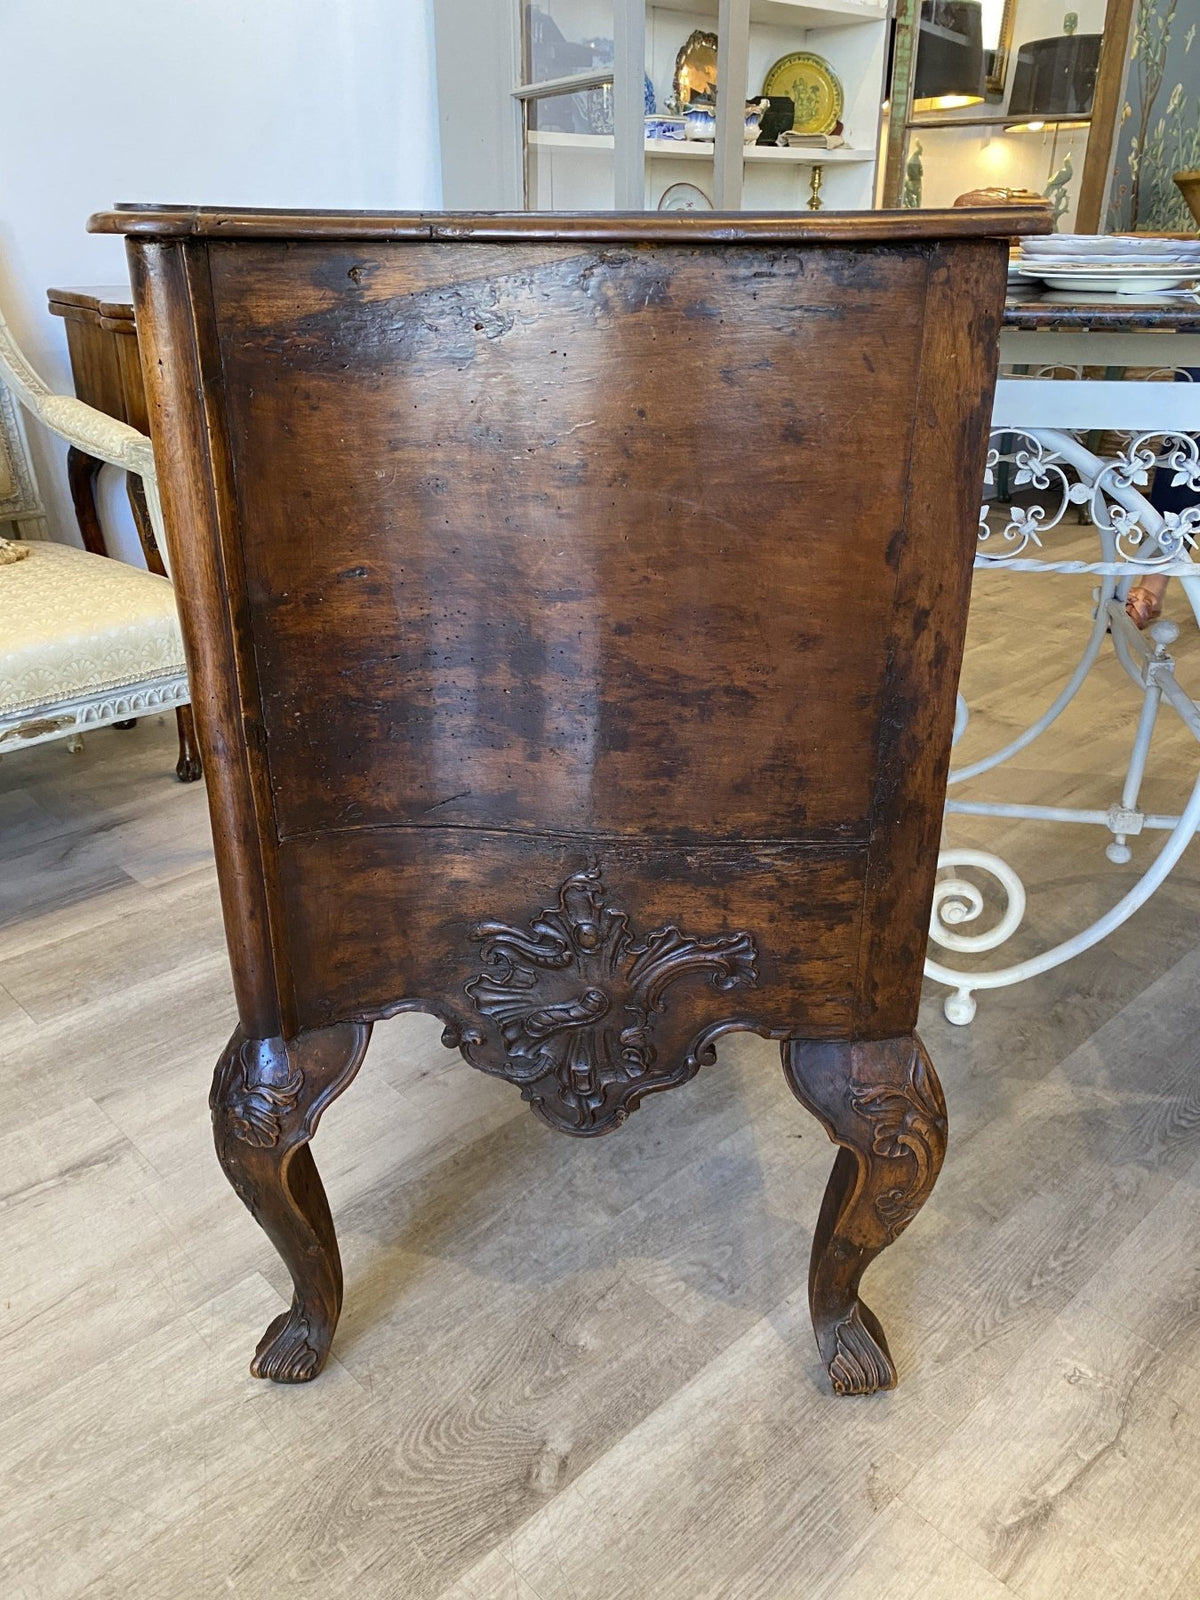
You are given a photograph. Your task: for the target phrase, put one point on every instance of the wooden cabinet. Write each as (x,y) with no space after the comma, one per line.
(542,107)
(574,609)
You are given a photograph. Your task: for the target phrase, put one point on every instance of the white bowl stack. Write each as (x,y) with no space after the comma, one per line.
(1109,263)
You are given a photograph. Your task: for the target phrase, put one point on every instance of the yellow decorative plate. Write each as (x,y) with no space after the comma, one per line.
(812,83)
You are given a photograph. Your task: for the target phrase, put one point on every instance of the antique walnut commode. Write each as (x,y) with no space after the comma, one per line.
(574,608)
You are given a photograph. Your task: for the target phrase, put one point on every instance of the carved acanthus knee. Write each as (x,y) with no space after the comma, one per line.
(267,1097)
(255,1088)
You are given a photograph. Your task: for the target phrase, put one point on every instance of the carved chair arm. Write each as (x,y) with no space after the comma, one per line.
(81,425)
(95,433)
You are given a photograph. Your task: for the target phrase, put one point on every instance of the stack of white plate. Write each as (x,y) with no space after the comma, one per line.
(1109,263)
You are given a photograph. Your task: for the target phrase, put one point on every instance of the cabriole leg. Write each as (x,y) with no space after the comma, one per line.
(267,1098)
(880,1100)
(187,768)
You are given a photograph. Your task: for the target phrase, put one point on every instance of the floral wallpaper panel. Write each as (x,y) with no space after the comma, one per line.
(1159,133)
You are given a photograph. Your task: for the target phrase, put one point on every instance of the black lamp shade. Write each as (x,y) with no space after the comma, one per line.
(949,52)
(1055,77)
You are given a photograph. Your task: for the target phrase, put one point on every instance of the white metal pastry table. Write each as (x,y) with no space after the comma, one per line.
(1046,414)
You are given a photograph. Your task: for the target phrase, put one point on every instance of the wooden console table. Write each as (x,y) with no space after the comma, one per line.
(107,373)
(574,609)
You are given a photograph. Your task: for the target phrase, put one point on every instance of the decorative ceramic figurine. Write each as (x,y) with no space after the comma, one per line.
(754,116)
(1056,190)
(700,119)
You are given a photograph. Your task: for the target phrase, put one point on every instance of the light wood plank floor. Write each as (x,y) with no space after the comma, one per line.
(585,1372)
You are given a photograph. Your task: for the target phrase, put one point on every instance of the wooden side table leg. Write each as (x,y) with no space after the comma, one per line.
(880,1100)
(187,767)
(267,1098)
(82,471)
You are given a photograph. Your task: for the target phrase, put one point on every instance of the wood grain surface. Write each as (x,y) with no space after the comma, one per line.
(473,578)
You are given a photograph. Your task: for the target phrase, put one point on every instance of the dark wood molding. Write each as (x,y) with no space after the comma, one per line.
(1106,112)
(593,227)
(171,297)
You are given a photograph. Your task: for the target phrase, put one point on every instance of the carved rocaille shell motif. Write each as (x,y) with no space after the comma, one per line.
(574,998)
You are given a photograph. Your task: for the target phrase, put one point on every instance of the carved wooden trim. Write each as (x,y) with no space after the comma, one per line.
(594,227)
(908,1120)
(573,999)
(36,724)
(859,1364)
(256,1087)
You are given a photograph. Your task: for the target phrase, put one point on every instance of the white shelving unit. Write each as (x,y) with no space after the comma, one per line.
(497,152)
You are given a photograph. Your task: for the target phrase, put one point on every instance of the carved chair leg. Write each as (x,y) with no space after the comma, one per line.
(187,768)
(880,1100)
(82,471)
(267,1098)
(144,525)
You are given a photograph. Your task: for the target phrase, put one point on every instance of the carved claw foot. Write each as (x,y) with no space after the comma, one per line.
(268,1095)
(879,1100)
(289,1352)
(855,1353)
(187,768)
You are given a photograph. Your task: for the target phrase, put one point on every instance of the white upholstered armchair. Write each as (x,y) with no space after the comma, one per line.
(85,641)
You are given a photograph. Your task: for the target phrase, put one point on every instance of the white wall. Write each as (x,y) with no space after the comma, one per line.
(322,103)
